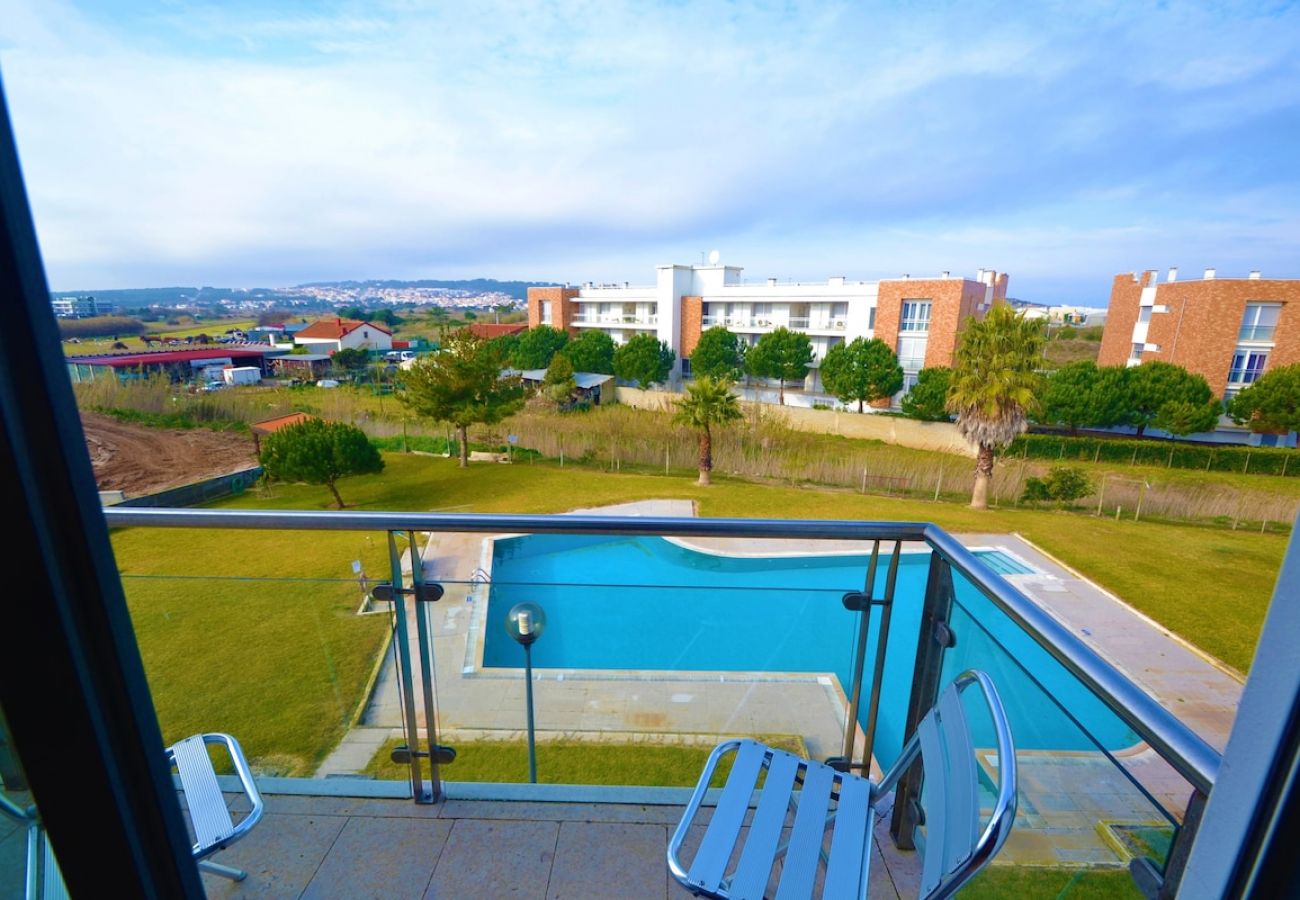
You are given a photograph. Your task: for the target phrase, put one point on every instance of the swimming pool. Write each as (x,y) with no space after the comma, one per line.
(653,605)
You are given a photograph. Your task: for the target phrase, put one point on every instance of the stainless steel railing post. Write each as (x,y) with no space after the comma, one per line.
(402,654)
(882,645)
(427,663)
(862,603)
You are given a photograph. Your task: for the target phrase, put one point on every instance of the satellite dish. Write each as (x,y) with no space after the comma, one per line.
(714,256)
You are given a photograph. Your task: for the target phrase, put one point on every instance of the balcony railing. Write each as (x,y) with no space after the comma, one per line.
(1261,333)
(659,628)
(643,321)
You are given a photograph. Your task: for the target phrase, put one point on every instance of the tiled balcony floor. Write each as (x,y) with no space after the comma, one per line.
(351,848)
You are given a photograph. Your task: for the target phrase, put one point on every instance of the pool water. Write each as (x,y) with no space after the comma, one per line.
(650,604)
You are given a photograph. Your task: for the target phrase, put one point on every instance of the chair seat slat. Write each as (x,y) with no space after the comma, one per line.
(710,864)
(935,787)
(962,797)
(764,837)
(846,870)
(799,868)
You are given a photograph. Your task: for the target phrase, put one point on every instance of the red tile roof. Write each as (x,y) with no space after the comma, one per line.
(268,426)
(487,330)
(334,329)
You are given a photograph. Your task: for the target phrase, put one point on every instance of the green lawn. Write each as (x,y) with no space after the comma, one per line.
(1000,882)
(1210,585)
(253,632)
(579,762)
(252,636)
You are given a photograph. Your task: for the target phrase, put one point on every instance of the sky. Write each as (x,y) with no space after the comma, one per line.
(265,144)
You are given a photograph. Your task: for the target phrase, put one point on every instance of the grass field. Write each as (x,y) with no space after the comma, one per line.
(580,762)
(210,327)
(252,636)
(1212,586)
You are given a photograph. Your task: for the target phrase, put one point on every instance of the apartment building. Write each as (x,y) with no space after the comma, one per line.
(1230,330)
(918,317)
(80,307)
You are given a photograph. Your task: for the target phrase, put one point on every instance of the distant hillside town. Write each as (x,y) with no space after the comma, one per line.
(477,293)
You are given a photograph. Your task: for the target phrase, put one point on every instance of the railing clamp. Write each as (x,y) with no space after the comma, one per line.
(943,635)
(857,601)
(423,593)
(441,755)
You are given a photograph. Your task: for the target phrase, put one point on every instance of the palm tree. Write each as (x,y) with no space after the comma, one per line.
(995,383)
(708,402)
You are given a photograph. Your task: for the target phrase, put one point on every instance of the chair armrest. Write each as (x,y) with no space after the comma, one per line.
(692,808)
(245,779)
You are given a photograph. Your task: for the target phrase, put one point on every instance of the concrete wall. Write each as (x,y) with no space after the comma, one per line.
(198,492)
(940,436)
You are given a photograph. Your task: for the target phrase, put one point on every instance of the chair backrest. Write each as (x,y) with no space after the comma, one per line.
(954,846)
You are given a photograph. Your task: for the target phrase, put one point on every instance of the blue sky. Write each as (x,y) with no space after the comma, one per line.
(270,143)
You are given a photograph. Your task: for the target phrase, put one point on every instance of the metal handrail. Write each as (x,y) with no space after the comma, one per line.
(1182,748)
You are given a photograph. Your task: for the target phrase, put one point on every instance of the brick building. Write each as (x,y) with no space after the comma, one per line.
(1230,330)
(918,317)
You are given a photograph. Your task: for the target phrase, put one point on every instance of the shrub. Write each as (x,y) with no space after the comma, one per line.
(1166,453)
(1063,483)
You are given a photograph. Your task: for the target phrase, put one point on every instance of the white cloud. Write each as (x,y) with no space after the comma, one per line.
(202,145)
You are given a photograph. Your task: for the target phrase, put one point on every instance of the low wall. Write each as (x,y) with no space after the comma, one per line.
(200,491)
(940,436)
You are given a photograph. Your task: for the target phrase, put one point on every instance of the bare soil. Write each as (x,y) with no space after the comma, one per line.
(140,460)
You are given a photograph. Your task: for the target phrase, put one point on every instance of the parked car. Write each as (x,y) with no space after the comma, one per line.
(327,383)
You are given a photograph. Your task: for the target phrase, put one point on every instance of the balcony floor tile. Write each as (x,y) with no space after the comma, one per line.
(496,859)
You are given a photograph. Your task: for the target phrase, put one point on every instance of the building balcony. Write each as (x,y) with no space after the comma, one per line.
(619,321)
(323,651)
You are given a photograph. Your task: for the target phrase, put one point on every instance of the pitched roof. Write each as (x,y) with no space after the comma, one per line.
(334,329)
(268,426)
(488,330)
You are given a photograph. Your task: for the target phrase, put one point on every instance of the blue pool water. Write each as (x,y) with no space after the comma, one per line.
(650,604)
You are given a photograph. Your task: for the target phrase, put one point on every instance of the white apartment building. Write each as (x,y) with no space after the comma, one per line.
(917,317)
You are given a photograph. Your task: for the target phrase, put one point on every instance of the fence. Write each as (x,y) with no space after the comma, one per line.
(940,436)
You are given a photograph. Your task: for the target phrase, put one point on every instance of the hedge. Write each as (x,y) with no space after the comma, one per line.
(1171,454)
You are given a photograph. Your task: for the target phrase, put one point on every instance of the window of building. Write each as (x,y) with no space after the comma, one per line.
(911,353)
(871,319)
(1144,315)
(546,312)
(916,316)
(1247,366)
(1260,321)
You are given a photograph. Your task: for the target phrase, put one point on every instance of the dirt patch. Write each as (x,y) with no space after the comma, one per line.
(140,460)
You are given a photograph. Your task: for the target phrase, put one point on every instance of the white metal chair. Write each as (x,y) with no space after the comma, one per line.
(209,817)
(824,801)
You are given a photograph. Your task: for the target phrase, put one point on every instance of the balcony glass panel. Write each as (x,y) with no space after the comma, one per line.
(271,636)
(1091,792)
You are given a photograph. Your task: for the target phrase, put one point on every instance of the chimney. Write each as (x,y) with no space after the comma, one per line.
(1254,275)
(1173,274)
(945,274)
(771,282)
(1209,274)
(905,275)
(836,281)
